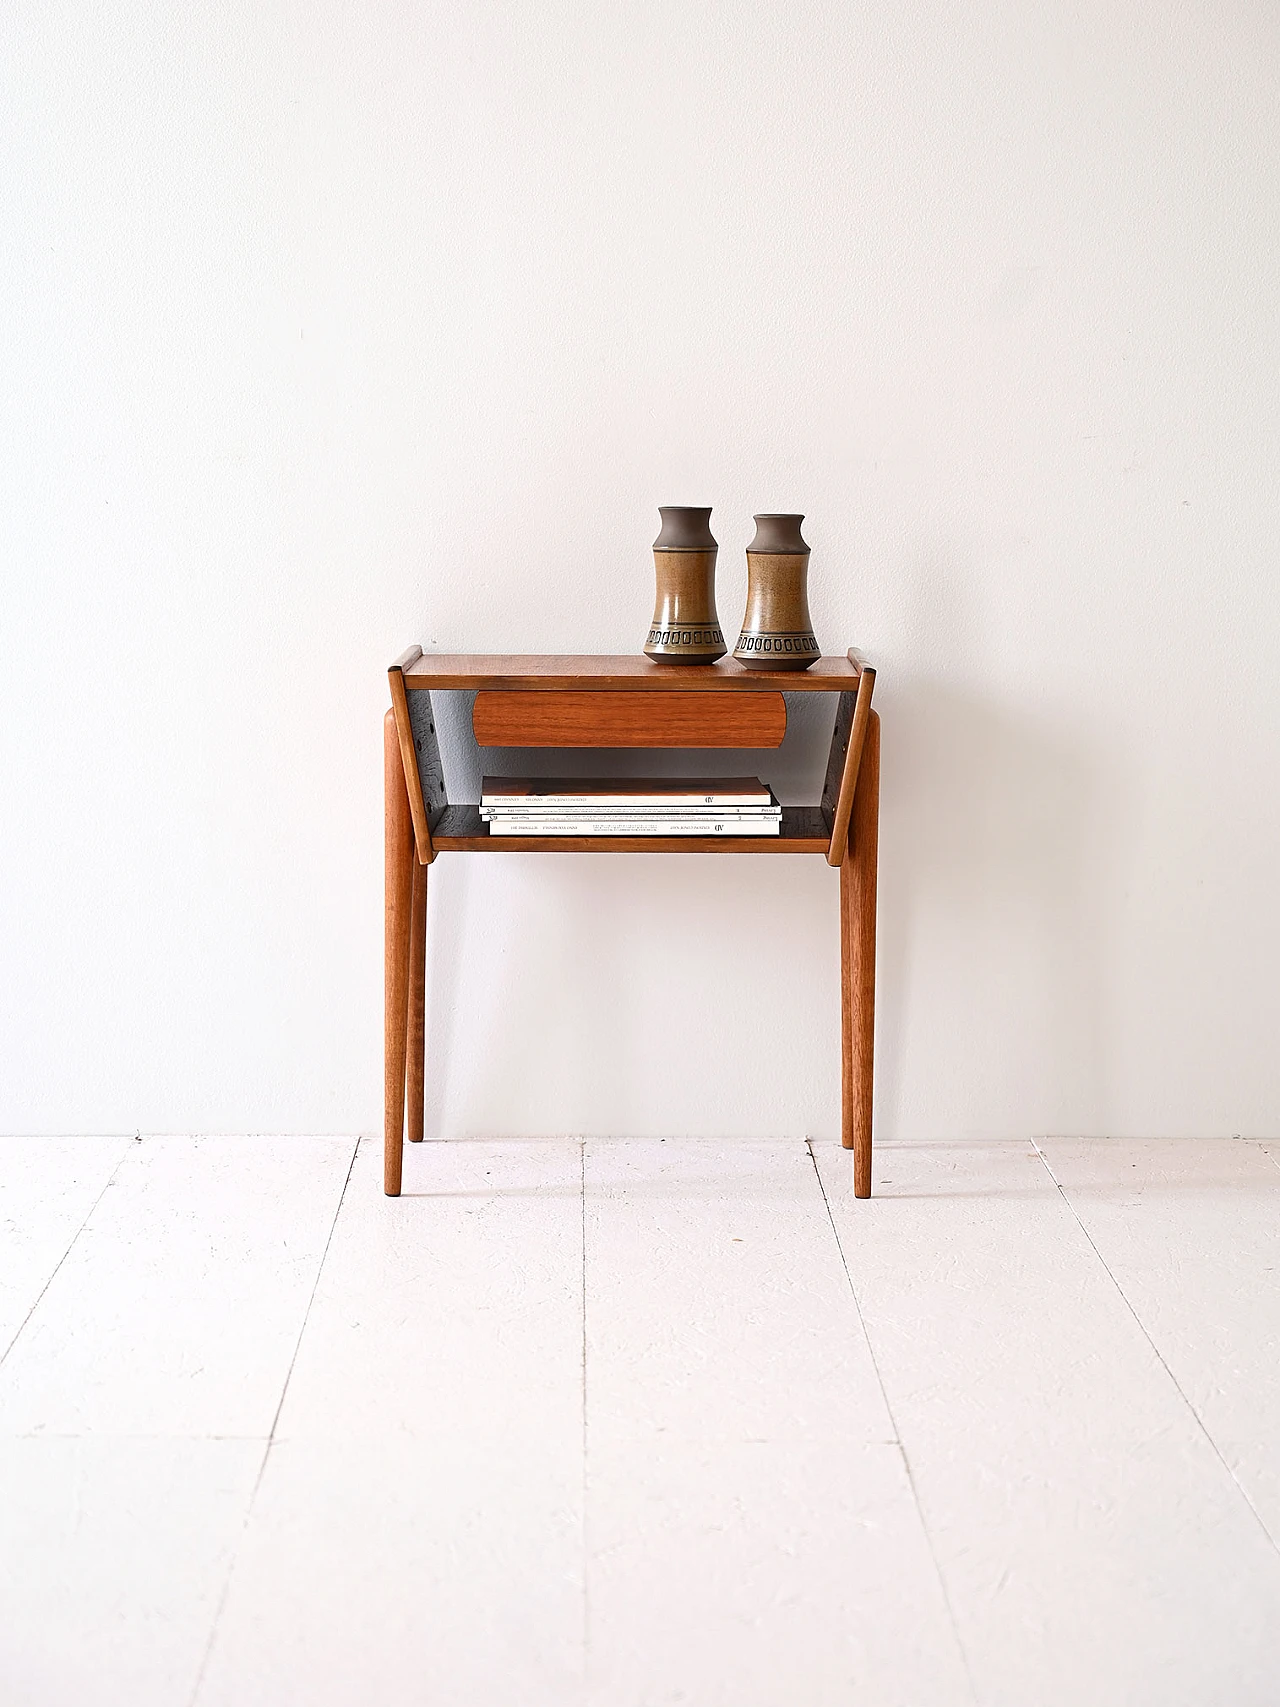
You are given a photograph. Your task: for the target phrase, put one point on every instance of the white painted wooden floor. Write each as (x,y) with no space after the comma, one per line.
(632,1423)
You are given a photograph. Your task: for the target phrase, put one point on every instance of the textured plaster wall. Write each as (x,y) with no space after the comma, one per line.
(331,327)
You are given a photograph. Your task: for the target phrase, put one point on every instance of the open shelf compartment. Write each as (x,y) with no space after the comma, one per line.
(460,829)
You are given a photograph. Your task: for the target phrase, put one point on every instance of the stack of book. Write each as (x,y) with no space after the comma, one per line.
(667,806)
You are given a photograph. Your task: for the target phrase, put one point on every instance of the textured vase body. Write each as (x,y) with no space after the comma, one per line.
(685,628)
(776,631)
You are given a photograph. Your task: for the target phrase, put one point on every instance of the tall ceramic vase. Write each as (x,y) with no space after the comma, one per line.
(776,631)
(685,629)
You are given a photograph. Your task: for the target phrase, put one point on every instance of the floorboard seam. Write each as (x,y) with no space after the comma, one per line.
(1142,1329)
(75,1237)
(897,1432)
(270,1440)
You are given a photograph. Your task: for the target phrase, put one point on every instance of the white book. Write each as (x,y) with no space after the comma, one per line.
(594,794)
(547,814)
(682,826)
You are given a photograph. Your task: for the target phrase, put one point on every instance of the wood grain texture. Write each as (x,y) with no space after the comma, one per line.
(462,830)
(571,718)
(398,831)
(525,671)
(415,1045)
(409,764)
(858,964)
(843,805)
(407,658)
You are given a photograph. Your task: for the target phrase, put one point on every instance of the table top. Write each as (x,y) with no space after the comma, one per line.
(632,673)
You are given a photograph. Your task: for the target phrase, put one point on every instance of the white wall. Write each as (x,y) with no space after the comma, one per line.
(329,327)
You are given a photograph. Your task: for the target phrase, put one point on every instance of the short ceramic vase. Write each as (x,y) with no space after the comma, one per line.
(686,629)
(776,631)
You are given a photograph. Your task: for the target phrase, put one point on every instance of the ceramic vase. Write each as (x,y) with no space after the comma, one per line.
(685,628)
(776,631)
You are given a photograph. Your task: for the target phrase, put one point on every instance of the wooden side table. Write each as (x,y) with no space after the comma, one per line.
(623,702)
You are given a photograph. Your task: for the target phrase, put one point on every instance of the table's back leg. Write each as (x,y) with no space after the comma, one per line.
(417,1005)
(400,859)
(858,962)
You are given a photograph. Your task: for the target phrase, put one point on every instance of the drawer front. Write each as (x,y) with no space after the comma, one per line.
(569,719)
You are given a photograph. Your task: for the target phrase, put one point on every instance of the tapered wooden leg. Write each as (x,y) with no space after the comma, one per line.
(400,859)
(858,962)
(417,1005)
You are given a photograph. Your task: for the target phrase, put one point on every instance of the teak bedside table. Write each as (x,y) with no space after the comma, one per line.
(623,702)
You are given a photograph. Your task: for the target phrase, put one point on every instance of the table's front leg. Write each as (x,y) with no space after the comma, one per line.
(858,962)
(400,857)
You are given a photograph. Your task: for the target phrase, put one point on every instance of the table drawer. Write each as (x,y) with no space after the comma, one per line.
(528,718)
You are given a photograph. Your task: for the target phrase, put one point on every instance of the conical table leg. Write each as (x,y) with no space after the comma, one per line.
(858,963)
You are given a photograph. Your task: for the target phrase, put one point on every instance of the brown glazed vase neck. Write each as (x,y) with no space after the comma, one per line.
(779,536)
(684,530)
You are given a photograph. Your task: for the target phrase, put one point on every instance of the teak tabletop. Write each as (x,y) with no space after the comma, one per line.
(533,701)
(514,671)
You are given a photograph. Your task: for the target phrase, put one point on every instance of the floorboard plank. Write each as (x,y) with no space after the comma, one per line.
(751,1533)
(748,1574)
(178,1309)
(455,1309)
(407,1571)
(1093,1546)
(418,1534)
(717,1304)
(113,1555)
(1190,1230)
(47,1188)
